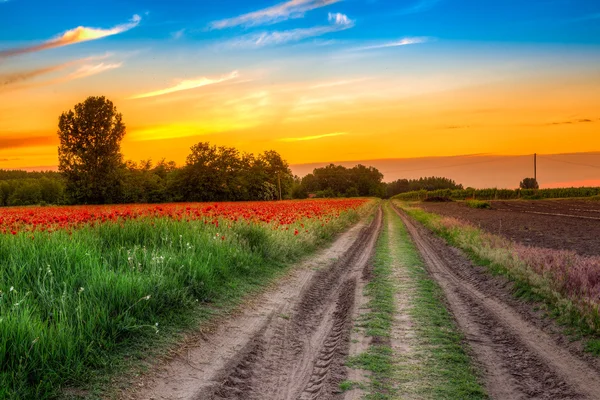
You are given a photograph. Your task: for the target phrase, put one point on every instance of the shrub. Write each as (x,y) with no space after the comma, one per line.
(478,204)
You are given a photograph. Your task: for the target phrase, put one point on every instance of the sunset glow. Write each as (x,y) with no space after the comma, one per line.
(317,81)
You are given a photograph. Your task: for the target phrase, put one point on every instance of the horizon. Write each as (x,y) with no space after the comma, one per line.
(553,174)
(319,81)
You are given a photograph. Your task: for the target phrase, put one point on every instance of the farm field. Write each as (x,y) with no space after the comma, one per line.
(80,286)
(556,224)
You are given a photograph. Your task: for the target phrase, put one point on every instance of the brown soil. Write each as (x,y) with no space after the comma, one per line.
(291,345)
(520,356)
(557,224)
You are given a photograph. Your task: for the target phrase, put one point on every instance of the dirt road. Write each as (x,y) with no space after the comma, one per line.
(520,360)
(292,345)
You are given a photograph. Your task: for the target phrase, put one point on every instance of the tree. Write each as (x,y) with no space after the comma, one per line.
(529,183)
(89,153)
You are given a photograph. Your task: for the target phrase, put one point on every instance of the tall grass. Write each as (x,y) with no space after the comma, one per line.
(569,282)
(70,301)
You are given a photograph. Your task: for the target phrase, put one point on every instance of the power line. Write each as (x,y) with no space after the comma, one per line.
(571,162)
(332,173)
(454,165)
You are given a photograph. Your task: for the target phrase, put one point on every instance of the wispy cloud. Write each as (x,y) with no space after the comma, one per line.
(397,43)
(178,34)
(76,35)
(420,6)
(274,14)
(188,84)
(338,22)
(589,17)
(338,83)
(92,69)
(574,121)
(304,138)
(23,76)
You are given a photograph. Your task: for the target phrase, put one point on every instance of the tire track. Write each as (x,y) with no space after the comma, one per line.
(520,360)
(301,356)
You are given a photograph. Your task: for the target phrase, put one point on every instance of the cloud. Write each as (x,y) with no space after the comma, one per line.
(76,35)
(397,43)
(421,6)
(178,34)
(304,138)
(274,14)
(338,83)
(574,121)
(189,84)
(23,76)
(589,17)
(92,69)
(338,22)
(24,141)
(82,72)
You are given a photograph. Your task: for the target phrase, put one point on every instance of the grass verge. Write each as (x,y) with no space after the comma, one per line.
(436,366)
(79,307)
(556,280)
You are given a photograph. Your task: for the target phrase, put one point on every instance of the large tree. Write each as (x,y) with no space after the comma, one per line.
(90,151)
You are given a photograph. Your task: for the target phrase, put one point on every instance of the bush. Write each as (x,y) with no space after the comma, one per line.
(478,204)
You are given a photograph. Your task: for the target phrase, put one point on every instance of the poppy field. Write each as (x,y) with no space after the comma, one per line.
(80,286)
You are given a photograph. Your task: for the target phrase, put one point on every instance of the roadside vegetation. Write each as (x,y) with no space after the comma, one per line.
(433,363)
(500,194)
(478,204)
(566,282)
(73,302)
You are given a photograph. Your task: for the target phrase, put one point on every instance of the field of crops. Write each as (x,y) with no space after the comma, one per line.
(80,284)
(500,194)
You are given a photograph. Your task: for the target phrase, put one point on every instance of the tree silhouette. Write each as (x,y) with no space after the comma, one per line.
(529,183)
(90,151)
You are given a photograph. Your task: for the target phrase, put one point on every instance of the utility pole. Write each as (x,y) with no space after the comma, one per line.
(279,184)
(535,167)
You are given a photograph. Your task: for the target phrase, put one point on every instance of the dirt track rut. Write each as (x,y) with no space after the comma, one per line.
(298,351)
(520,361)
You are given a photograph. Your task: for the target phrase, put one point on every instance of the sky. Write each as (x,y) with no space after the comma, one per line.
(316,80)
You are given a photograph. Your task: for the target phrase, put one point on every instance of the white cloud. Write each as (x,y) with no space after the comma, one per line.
(274,14)
(92,69)
(315,137)
(178,34)
(339,22)
(188,84)
(76,35)
(397,43)
(421,6)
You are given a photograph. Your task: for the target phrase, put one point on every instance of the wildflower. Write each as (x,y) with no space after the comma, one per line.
(81,289)
(12,288)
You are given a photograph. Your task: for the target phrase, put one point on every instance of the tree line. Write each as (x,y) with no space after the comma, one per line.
(92,170)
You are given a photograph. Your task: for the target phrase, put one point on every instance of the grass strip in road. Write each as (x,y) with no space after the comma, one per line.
(561,282)
(437,365)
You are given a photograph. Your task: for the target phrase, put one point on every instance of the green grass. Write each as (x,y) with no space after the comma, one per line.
(74,306)
(445,370)
(439,366)
(378,323)
(527,285)
(478,204)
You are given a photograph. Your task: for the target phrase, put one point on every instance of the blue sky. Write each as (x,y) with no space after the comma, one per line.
(533,21)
